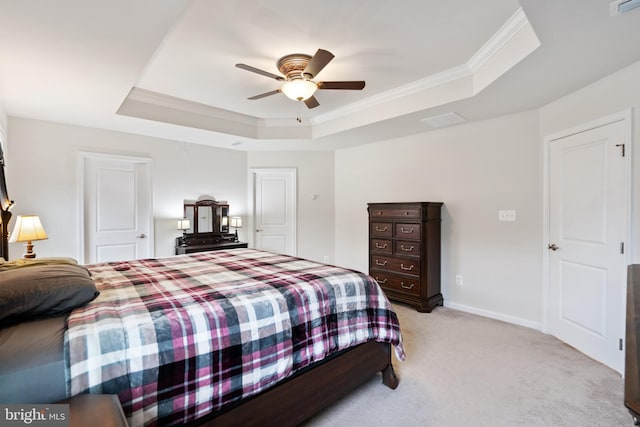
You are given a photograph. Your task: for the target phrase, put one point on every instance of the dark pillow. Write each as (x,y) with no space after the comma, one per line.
(34,262)
(43,291)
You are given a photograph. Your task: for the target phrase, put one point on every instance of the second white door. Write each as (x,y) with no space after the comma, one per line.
(275,222)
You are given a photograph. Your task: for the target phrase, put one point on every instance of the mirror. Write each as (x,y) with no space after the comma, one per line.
(207,216)
(205,219)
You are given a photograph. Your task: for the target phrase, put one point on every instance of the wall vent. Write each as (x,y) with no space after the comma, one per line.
(443,120)
(621,6)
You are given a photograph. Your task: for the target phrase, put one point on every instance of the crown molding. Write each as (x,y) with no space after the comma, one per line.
(504,34)
(161,100)
(411,88)
(507,32)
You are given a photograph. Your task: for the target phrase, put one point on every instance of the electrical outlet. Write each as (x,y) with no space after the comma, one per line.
(509,215)
(459,280)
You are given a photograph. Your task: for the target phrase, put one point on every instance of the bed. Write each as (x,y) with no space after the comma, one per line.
(235,337)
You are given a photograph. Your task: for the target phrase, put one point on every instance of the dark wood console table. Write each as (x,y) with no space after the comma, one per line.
(209,228)
(202,246)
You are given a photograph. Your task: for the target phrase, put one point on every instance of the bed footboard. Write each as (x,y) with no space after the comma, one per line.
(300,397)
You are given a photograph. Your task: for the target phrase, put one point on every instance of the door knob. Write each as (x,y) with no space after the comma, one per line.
(554,247)
(142,236)
(258,230)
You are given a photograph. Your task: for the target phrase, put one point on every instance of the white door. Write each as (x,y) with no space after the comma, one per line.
(274,192)
(117,208)
(588,229)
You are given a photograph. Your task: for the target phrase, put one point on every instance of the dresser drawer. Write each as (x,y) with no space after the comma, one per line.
(394,213)
(398,265)
(401,284)
(381,229)
(410,248)
(405,230)
(382,245)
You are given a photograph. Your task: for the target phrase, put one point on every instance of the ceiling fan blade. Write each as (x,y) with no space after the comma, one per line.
(317,63)
(311,102)
(349,85)
(259,71)
(263,95)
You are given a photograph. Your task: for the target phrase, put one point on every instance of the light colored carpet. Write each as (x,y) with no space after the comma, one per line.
(466,370)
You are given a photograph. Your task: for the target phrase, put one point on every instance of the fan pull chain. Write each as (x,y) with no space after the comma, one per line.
(298,118)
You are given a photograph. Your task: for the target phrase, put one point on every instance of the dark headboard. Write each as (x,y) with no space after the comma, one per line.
(5,215)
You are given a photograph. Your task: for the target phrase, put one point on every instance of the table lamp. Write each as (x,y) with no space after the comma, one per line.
(184,224)
(27,229)
(236,222)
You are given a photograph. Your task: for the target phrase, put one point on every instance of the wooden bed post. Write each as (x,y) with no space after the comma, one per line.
(5,217)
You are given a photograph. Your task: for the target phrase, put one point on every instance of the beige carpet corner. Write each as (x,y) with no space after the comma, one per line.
(466,370)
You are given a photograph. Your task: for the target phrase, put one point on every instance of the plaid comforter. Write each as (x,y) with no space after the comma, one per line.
(179,337)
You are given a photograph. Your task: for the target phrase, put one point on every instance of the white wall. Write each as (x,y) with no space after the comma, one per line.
(42,178)
(315,172)
(616,92)
(476,169)
(3,124)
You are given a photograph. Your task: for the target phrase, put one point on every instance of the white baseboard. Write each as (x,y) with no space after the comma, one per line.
(494,315)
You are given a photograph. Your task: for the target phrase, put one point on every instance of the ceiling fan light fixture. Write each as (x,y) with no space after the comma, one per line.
(299,89)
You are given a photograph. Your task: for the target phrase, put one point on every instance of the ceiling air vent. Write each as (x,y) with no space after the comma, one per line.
(621,6)
(444,120)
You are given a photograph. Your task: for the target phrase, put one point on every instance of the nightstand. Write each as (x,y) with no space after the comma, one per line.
(96,410)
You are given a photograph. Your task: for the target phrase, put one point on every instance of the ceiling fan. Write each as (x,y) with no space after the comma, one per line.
(298,71)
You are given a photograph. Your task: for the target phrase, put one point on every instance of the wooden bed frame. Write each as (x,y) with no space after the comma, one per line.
(298,398)
(292,401)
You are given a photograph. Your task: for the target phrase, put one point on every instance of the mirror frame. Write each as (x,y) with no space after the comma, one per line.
(220,217)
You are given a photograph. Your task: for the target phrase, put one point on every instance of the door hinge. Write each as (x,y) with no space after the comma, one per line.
(621,145)
(622,247)
(621,345)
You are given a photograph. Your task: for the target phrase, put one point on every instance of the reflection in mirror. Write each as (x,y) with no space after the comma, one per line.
(205,219)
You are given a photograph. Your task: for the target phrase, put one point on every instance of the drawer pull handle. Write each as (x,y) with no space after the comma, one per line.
(381,281)
(379,246)
(407,268)
(406,213)
(407,286)
(409,249)
(406,231)
(381,229)
(381,263)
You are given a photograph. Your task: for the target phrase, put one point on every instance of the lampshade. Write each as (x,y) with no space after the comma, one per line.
(299,89)
(184,224)
(28,228)
(236,222)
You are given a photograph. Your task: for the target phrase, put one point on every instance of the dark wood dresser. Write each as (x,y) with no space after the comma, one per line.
(404,251)
(632,344)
